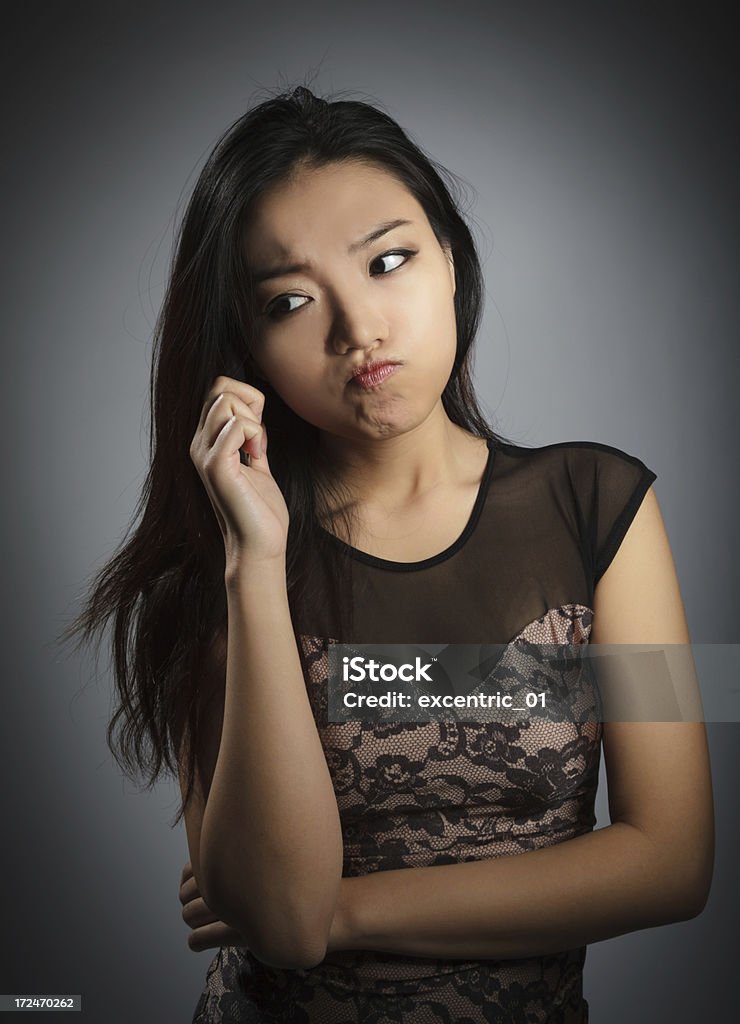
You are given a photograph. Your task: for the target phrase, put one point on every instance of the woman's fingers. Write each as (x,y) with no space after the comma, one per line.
(206,930)
(189,890)
(226,399)
(212,936)
(250,431)
(197,913)
(252,397)
(226,410)
(223,406)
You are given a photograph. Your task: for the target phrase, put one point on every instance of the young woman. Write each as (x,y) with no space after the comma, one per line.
(326,294)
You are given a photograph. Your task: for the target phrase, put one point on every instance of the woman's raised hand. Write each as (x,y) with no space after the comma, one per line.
(247,501)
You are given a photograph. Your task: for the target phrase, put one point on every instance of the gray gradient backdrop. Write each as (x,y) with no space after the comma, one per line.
(601,151)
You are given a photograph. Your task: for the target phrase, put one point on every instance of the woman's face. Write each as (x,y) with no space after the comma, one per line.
(353,301)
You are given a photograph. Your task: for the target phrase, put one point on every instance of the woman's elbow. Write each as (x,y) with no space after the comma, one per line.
(696,897)
(289,937)
(681,875)
(298,940)
(289,955)
(285,934)
(694,891)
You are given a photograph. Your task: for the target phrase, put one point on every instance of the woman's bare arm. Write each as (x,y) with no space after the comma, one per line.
(267,854)
(652,866)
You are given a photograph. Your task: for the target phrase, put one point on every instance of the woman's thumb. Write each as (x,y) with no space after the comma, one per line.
(262,460)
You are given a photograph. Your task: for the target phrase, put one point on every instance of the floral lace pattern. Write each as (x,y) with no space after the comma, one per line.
(421,794)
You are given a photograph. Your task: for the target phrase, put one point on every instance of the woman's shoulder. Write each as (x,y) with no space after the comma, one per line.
(544,450)
(580,458)
(602,480)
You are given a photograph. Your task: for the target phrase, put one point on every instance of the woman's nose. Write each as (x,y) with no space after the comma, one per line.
(356,324)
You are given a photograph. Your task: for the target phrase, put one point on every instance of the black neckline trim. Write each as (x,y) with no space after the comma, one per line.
(427,563)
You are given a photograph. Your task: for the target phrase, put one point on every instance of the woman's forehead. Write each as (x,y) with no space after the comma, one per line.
(335,203)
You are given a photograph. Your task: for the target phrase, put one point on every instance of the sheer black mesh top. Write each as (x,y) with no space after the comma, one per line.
(546,524)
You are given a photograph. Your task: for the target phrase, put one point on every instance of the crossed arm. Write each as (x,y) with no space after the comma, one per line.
(651,866)
(598,885)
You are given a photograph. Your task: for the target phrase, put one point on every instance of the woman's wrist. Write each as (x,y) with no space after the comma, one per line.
(341,932)
(242,572)
(346,926)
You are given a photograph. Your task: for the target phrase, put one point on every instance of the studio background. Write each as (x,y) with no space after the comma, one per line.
(600,151)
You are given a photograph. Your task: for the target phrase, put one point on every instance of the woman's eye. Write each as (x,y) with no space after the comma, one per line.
(396,252)
(274,312)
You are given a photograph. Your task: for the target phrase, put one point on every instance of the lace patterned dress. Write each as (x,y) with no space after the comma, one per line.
(545,526)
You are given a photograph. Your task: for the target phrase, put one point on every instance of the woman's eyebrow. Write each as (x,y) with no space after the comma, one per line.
(294,268)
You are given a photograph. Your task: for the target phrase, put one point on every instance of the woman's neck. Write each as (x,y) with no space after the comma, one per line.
(395,475)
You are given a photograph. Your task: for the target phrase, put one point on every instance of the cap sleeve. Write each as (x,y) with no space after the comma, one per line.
(619,483)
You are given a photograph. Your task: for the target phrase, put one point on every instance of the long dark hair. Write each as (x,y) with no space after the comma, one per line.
(164,587)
